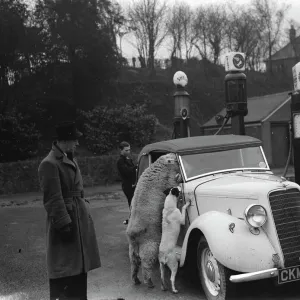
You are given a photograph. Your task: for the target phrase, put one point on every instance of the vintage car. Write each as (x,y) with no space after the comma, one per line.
(244,222)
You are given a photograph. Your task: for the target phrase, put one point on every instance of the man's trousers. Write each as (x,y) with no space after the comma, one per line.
(73,287)
(129,192)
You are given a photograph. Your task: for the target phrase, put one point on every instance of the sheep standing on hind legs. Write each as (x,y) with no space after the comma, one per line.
(145,225)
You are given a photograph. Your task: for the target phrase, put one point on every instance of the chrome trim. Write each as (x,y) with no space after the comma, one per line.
(282,190)
(246,214)
(265,274)
(226,170)
(182,167)
(274,225)
(263,153)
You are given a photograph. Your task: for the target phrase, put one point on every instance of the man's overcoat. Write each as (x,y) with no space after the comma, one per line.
(62,186)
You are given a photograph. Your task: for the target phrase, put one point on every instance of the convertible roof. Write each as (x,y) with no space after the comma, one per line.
(202,143)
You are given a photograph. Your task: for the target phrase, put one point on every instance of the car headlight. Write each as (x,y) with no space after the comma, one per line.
(255,215)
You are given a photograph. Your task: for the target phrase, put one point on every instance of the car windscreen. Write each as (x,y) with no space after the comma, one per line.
(195,165)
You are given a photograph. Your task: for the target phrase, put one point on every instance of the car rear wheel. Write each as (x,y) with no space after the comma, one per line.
(213,275)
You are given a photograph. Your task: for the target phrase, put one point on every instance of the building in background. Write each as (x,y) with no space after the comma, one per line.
(285,58)
(268,120)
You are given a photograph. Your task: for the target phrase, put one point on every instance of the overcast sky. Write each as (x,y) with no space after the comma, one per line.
(129,51)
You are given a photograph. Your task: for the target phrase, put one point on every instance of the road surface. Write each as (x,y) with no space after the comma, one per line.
(22,259)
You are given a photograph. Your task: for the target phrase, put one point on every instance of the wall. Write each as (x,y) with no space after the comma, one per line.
(21,177)
(251,130)
(282,66)
(281,115)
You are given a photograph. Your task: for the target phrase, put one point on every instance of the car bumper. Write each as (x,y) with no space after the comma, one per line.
(265,274)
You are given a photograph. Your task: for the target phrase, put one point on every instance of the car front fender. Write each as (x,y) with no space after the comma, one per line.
(232,243)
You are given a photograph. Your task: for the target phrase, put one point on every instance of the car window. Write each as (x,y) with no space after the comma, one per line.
(156,155)
(202,163)
(143,165)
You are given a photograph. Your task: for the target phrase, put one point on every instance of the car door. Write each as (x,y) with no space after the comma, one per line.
(143,164)
(184,227)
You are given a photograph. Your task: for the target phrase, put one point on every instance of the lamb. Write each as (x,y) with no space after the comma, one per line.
(145,225)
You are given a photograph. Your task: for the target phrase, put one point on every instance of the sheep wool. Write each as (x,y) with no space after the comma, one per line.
(145,225)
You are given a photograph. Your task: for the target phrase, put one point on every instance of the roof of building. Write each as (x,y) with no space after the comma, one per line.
(258,108)
(288,51)
(202,144)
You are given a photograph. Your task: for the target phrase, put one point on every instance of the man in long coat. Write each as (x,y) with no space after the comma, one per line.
(71,242)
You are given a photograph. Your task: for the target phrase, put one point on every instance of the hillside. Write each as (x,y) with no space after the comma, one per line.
(206,88)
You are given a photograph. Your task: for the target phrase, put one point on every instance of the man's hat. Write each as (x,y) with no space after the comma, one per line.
(67,131)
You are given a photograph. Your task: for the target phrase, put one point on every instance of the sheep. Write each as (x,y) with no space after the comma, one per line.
(145,224)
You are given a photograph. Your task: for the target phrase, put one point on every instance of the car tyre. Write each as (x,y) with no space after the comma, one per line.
(213,275)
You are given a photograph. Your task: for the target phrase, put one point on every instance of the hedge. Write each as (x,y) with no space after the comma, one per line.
(22,176)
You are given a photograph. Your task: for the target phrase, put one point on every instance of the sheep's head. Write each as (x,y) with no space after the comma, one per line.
(171,164)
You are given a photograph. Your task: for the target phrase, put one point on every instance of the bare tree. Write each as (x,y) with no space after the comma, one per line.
(243,32)
(180,20)
(217,22)
(118,23)
(209,28)
(175,31)
(187,22)
(147,17)
(271,16)
(200,32)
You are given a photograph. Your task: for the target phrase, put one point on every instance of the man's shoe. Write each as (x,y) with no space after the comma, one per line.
(125,222)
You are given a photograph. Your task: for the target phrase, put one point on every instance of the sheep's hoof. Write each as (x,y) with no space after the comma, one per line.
(163,288)
(136,281)
(149,284)
(175,291)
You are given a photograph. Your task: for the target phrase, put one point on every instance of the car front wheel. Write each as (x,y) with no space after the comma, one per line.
(213,275)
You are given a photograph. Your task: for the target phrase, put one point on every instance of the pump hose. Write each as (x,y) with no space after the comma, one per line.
(173,133)
(226,119)
(290,151)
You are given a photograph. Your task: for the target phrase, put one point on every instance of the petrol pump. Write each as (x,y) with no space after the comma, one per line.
(182,106)
(236,91)
(295,121)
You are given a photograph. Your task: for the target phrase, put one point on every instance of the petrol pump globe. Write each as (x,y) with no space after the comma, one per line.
(180,79)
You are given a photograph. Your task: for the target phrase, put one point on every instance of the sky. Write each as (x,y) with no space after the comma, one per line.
(129,51)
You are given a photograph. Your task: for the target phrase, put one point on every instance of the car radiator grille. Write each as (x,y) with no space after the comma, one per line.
(285,205)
